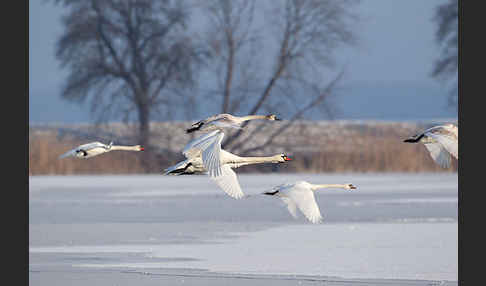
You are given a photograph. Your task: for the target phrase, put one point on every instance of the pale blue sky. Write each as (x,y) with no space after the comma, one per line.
(391,65)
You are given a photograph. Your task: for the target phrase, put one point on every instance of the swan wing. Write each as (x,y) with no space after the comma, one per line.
(447,141)
(211,155)
(209,146)
(224,123)
(228,182)
(68,153)
(193,148)
(84,147)
(91,145)
(439,154)
(180,165)
(291,206)
(305,201)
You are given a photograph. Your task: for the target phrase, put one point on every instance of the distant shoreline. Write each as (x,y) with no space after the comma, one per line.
(318,146)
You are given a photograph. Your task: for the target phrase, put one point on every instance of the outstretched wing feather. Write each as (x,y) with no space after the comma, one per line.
(439,154)
(306,202)
(448,142)
(228,182)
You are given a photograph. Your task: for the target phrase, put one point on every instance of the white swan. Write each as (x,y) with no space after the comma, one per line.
(228,180)
(92,149)
(225,120)
(441,141)
(301,195)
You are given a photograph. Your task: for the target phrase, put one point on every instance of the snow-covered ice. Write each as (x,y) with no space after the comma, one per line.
(394,226)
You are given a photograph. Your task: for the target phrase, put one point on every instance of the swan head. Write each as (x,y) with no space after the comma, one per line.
(285,157)
(350,187)
(273,117)
(139,148)
(281,158)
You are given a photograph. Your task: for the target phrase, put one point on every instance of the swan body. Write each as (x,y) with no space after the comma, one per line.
(441,142)
(300,195)
(225,120)
(92,149)
(228,180)
(195,164)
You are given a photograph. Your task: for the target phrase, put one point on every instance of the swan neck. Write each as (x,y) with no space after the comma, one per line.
(251,117)
(126,148)
(257,160)
(323,186)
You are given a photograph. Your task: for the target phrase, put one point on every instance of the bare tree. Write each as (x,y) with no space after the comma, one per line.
(274,58)
(128,57)
(446,66)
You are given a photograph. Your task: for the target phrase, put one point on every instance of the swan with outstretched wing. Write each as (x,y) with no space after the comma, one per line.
(92,149)
(227,180)
(300,195)
(441,141)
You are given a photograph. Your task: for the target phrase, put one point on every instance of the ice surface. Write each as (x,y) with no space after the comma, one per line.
(394,226)
(370,250)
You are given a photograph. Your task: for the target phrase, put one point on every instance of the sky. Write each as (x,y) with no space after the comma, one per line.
(387,74)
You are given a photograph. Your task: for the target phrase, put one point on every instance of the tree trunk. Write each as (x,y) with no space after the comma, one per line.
(229,77)
(144,135)
(144,128)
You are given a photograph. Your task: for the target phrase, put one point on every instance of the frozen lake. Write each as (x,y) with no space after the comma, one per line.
(395,229)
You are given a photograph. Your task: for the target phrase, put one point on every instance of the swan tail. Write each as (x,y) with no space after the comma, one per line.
(178,169)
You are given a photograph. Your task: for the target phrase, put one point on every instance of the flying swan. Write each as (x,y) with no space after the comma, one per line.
(441,141)
(92,149)
(301,195)
(228,180)
(225,120)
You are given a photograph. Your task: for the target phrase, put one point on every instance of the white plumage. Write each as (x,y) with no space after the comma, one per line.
(227,179)
(441,141)
(225,120)
(300,195)
(92,149)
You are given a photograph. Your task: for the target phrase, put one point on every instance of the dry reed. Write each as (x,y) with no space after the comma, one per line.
(352,148)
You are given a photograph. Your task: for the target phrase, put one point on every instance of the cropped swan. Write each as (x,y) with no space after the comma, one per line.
(301,195)
(92,149)
(225,120)
(228,180)
(441,141)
